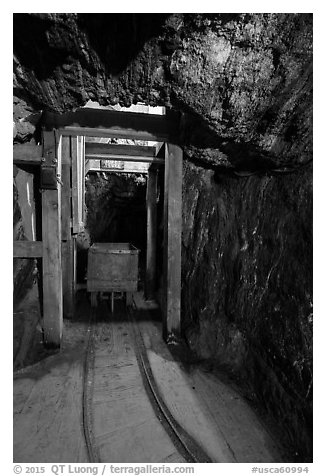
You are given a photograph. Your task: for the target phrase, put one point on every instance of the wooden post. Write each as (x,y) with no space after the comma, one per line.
(67,245)
(74,191)
(66,189)
(74,265)
(78,182)
(77,198)
(172,242)
(68,285)
(51,239)
(151,233)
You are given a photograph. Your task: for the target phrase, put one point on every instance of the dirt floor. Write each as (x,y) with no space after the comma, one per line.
(48,400)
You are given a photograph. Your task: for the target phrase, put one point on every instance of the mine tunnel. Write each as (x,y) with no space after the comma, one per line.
(162,222)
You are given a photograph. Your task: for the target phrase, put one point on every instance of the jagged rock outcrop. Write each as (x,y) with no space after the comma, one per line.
(242,81)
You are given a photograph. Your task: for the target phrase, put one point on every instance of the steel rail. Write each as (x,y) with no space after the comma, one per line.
(88,381)
(184,443)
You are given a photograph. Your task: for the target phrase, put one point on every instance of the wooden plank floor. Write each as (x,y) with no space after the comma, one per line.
(48,410)
(126,428)
(48,402)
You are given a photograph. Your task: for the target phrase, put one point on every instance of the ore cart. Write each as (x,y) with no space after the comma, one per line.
(112,268)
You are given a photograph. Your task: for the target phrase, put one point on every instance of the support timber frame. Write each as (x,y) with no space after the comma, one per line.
(51,239)
(62,215)
(151,194)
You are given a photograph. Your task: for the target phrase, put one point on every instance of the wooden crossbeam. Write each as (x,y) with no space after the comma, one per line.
(125,158)
(94,165)
(27,154)
(108,123)
(94,148)
(27,249)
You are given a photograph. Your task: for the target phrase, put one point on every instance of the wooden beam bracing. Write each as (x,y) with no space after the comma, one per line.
(151,194)
(51,240)
(81,181)
(95,165)
(107,133)
(119,149)
(68,278)
(126,158)
(66,222)
(74,264)
(172,242)
(78,182)
(74,185)
(28,249)
(66,189)
(109,123)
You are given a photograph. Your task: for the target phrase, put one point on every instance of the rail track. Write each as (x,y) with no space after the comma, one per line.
(118,395)
(184,444)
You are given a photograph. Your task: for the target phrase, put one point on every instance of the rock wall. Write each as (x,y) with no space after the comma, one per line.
(247,287)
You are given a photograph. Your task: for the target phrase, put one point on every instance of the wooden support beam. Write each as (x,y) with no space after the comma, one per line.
(95,165)
(172,242)
(51,239)
(27,154)
(68,284)
(151,194)
(74,185)
(126,158)
(66,189)
(78,164)
(78,182)
(81,181)
(28,249)
(74,265)
(94,148)
(66,222)
(109,123)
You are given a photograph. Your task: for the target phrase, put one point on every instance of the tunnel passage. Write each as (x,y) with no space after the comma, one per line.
(66,156)
(115,213)
(243,84)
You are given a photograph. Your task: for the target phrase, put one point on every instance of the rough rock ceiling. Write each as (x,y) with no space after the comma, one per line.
(242,82)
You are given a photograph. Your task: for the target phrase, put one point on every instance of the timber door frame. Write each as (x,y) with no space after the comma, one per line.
(102,123)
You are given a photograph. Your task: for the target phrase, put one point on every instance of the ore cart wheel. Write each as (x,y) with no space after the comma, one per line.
(93,299)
